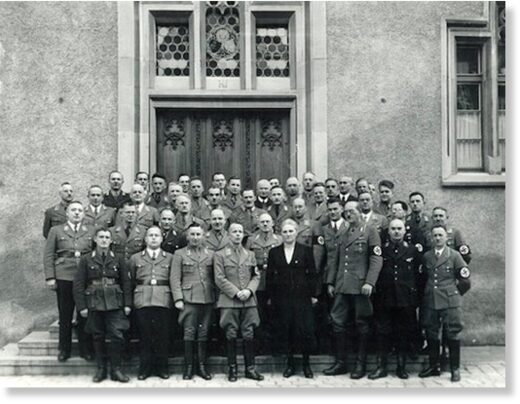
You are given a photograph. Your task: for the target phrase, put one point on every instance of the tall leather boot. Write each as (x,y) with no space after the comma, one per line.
(116,374)
(231,350)
(382,360)
(307,371)
(444,361)
(201,354)
(101,360)
(340,365)
(401,372)
(290,368)
(433,351)
(188,360)
(249,359)
(361,360)
(454,346)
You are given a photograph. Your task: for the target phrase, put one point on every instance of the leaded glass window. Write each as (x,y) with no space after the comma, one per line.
(173,50)
(272,51)
(222,39)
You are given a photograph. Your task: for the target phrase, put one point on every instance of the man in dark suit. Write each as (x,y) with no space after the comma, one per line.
(346,189)
(158,198)
(447,279)
(351,278)
(57,214)
(263,189)
(172,241)
(115,197)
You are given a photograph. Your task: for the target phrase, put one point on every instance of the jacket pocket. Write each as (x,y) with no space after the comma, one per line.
(454,299)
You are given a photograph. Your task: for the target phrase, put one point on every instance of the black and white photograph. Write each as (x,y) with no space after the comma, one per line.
(254,194)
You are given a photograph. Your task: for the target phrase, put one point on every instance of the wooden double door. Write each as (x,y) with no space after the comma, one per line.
(249,144)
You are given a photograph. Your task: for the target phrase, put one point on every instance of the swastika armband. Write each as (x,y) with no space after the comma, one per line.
(318,240)
(464,273)
(376,250)
(464,249)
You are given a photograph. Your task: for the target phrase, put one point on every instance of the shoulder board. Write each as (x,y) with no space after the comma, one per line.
(228,251)
(405,244)
(57,207)
(450,230)
(285,208)
(84,228)
(94,253)
(112,254)
(143,252)
(425,217)
(164,253)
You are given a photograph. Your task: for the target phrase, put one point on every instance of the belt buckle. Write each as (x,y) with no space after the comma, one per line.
(77,254)
(153,282)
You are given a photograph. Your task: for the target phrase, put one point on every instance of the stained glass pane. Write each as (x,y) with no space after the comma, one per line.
(501,97)
(468,60)
(222,39)
(173,50)
(468,97)
(272,51)
(501,35)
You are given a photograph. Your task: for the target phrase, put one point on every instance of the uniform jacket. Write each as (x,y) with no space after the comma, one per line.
(283,213)
(115,202)
(63,250)
(318,213)
(294,280)
(398,282)
(200,208)
(172,241)
(325,245)
(350,198)
(447,278)
(147,217)
(183,222)
(127,246)
(192,276)
(358,260)
(227,215)
(159,203)
(235,271)
(88,294)
(418,230)
(378,221)
(247,218)
(105,218)
(260,246)
(214,243)
(54,216)
(144,269)
(308,197)
(384,209)
(227,202)
(304,233)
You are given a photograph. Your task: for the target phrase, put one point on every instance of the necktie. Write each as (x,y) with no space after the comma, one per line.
(233,199)
(335,226)
(76,227)
(157,198)
(103,257)
(153,255)
(277,209)
(437,253)
(127,230)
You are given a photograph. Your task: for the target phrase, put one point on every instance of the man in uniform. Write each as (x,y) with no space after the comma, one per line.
(184,182)
(369,216)
(215,202)
(193,290)
(396,299)
(174,190)
(274,182)
(57,214)
(128,237)
(158,198)
(172,241)
(102,295)
(217,237)
(151,278)
(318,209)
(142,178)
(278,210)
(362,186)
(98,215)
(386,190)
(184,218)
(247,214)
(346,187)
(199,205)
(306,228)
(64,247)
(115,197)
(261,243)
(263,188)
(455,239)
(232,200)
(292,189)
(351,278)
(308,184)
(418,222)
(447,279)
(237,277)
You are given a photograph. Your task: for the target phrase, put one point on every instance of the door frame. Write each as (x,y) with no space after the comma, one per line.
(149,142)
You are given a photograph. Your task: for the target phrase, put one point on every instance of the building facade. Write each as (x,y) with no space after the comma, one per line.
(408,91)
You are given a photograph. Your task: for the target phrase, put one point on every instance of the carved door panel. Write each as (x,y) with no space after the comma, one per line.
(250,144)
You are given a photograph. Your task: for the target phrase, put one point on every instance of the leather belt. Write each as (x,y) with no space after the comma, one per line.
(71,254)
(153,282)
(103,282)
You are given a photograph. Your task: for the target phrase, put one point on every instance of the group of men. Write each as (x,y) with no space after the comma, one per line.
(132,258)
